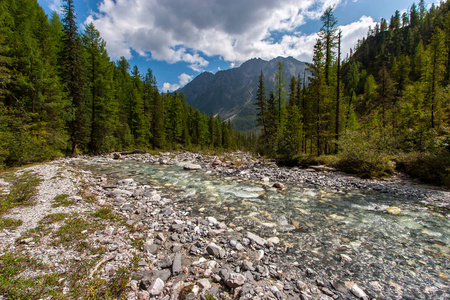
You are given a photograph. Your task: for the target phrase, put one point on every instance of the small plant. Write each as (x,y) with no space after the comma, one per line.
(53,218)
(106,213)
(9,223)
(61,200)
(14,286)
(74,232)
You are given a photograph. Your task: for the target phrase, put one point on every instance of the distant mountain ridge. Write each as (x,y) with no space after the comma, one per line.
(232,93)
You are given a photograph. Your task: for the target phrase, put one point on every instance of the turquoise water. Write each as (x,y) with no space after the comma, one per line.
(395,241)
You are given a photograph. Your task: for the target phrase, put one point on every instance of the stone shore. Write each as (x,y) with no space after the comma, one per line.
(171,254)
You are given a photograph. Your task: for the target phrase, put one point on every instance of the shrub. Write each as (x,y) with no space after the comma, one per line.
(429,167)
(360,155)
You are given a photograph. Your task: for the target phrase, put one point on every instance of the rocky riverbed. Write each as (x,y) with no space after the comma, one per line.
(121,236)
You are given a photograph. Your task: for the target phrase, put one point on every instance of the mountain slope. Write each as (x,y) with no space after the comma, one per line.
(231,93)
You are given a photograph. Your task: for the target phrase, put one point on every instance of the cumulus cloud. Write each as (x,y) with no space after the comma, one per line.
(191,31)
(351,33)
(55,5)
(183,80)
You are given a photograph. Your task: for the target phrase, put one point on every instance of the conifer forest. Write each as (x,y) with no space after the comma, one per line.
(384,107)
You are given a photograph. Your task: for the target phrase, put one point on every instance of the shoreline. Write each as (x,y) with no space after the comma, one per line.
(172,253)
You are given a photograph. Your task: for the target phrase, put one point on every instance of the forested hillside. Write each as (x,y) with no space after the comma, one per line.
(389,102)
(60,93)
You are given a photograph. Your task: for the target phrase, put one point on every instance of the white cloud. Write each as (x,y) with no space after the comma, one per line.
(55,5)
(183,80)
(190,31)
(351,33)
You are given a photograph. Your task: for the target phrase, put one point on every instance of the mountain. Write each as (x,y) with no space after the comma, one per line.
(231,93)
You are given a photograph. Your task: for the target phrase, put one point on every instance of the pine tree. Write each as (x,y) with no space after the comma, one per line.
(158,132)
(99,76)
(328,34)
(293,91)
(261,105)
(318,89)
(279,87)
(386,93)
(437,56)
(74,77)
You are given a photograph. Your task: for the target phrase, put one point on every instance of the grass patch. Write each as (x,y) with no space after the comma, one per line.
(53,218)
(9,223)
(106,213)
(61,200)
(23,189)
(74,232)
(14,286)
(43,229)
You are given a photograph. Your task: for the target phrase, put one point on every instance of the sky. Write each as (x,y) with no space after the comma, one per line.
(179,39)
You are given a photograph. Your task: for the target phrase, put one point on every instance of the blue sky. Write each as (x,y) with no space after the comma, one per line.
(179,39)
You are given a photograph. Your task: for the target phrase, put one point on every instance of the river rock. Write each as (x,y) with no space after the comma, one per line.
(235,280)
(279,185)
(212,221)
(274,240)
(301,285)
(258,240)
(215,250)
(150,248)
(358,292)
(192,167)
(260,254)
(157,287)
(393,210)
(143,295)
(205,284)
(176,265)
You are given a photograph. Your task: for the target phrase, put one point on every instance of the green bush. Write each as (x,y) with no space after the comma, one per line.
(360,155)
(429,167)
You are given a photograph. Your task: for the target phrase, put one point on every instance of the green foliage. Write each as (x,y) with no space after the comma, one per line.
(9,224)
(360,156)
(22,191)
(14,286)
(60,93)
(74,233)
(431,168)
(61,200)
(106,213)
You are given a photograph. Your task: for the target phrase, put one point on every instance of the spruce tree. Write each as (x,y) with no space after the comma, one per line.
(328,35)
(73,76)
(261,105)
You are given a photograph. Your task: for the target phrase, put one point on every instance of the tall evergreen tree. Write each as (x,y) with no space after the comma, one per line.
(328,34)
(279,87)
(99,78)
(261,105)
(437,59)
(74,77)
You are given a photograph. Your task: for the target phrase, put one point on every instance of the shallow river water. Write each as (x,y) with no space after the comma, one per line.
(379,240)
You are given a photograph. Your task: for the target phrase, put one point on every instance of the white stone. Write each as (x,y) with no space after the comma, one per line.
(274,240)
(260,254)
(358,292)
(157,287)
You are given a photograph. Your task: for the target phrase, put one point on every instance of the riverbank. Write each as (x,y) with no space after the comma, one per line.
(87,235)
